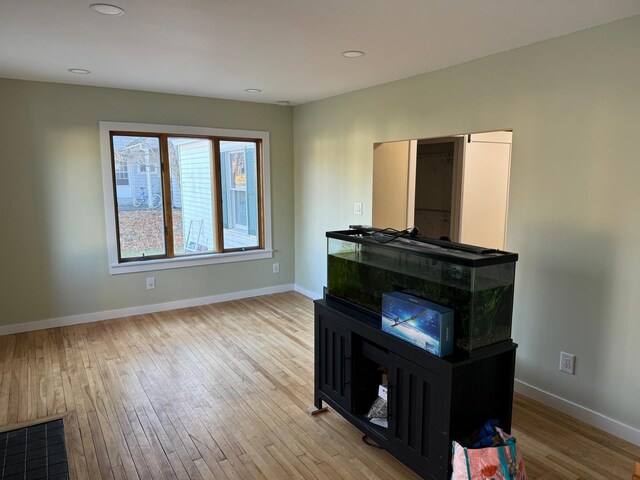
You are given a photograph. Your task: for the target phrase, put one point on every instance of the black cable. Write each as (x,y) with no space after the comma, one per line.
(392,234)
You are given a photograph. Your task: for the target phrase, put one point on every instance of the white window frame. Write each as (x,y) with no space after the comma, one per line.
(188,261)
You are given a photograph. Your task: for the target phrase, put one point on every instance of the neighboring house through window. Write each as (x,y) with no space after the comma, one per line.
(153,169)
(122,174)
(182,196)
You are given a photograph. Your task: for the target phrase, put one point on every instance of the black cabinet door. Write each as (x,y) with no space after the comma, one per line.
(333,358)
(417,416)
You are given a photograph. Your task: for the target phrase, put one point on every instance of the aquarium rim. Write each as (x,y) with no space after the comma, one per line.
(451,252)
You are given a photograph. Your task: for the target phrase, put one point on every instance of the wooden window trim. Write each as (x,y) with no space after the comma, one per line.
(115,199)
(167,201)
(259,192)
(164,173)
(218,195)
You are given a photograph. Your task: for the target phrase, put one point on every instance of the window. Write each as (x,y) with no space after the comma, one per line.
(122,174)
(152,169)
(183,196)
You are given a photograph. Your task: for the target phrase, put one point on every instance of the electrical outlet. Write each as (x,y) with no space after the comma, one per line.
(567,363)
(276,268)
(151,283)
(357,208)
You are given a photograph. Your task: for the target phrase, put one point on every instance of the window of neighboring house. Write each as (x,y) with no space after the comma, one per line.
(122,174)
(152,169)
(181,196)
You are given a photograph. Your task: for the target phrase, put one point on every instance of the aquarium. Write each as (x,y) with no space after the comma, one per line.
(476,283)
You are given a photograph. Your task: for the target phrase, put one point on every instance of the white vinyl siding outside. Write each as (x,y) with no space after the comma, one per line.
(195,165)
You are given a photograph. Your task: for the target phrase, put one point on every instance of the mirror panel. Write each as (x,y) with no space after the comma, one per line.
(454,187)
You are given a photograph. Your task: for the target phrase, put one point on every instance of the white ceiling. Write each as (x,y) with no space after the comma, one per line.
(288,48)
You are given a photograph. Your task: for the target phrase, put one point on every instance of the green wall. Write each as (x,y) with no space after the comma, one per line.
(574,106)
(52,210)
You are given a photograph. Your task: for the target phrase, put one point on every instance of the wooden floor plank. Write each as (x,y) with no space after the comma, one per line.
(221,391)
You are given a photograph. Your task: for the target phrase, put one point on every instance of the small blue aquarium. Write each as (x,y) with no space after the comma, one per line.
(424,324)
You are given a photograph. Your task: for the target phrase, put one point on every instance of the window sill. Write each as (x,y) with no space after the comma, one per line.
(188,261)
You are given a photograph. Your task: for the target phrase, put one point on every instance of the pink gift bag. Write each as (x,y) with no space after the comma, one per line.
(502,462)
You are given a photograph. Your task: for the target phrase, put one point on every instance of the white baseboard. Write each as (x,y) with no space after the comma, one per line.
(307,293)
(126,312)
(598,420)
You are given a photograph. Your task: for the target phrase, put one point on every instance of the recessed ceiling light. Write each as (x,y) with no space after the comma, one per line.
(106,9)
(252,90)
(283,102)
(353,53)
(79,71)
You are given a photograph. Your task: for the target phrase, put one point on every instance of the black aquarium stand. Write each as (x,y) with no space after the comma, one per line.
(431,400)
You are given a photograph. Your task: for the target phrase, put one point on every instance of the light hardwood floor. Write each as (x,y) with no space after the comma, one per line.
(221,391)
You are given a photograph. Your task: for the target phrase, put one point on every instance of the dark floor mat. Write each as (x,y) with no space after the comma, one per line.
(34,452)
